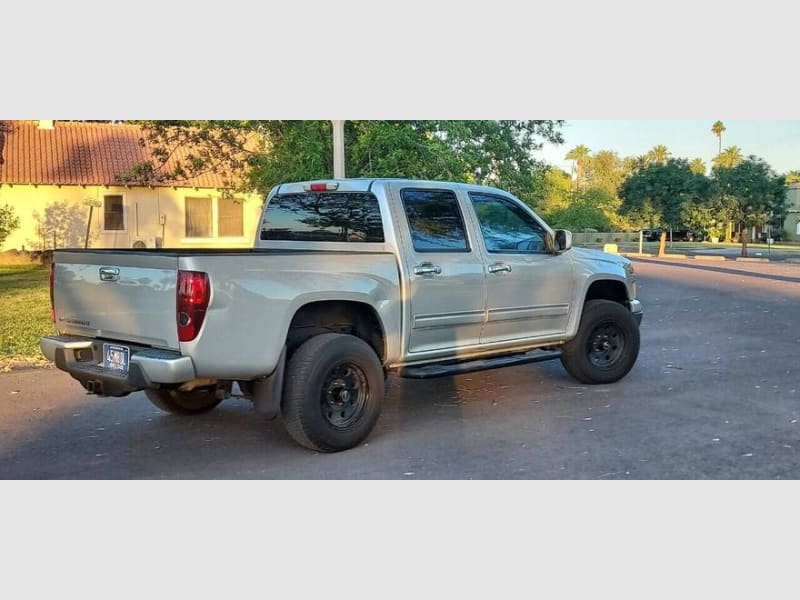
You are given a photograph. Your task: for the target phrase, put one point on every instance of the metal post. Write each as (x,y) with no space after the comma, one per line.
(338,150)
(88,227)
(641,241)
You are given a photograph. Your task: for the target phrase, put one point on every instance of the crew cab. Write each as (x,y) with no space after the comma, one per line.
(347,282)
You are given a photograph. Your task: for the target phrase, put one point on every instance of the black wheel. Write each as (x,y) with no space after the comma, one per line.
(184,403)
(333,392)
(607,344)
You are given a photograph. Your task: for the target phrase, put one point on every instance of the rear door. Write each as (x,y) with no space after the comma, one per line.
(125,296)
(446,282)
(529,289)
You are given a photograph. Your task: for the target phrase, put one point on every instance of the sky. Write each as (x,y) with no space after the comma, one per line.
(777,142)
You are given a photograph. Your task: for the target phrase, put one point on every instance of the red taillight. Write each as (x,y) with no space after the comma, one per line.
(194,293)
(52,302)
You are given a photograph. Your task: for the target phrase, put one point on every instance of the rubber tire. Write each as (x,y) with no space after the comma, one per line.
(196,402)
(575,357)
(305,374)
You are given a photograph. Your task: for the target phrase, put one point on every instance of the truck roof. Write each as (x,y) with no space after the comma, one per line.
(365,184)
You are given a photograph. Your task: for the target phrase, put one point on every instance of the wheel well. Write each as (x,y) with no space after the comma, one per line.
(608,290)
(336,316)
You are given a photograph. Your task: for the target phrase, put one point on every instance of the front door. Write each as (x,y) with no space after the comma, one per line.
(446,292)
(529,289)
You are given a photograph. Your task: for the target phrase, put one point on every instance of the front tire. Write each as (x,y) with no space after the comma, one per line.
(606,346)
(333,393)
(184,403)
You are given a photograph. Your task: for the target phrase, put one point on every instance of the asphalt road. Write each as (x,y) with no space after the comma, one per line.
(715,395)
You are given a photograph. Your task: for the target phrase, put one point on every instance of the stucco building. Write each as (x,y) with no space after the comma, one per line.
(792,223)
(55,173)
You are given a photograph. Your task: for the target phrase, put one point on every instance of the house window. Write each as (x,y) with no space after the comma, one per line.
(214,217)
(198,217)
(230,217)
(113,213)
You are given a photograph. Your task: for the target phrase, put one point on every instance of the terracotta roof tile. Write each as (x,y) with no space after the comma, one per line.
(75,153)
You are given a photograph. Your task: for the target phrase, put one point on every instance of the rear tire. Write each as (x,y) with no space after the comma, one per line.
(606,346)
(333,393)
(184,403)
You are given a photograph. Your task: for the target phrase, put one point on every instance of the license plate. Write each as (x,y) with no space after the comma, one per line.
(115,358)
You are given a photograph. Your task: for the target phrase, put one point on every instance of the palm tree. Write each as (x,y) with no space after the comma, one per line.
(630,164)
(579,156)
(717,129)
(698,166)
(658,155)
(729,158)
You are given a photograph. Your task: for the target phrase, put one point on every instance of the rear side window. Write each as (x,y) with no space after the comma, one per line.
(435,221)
(323,217)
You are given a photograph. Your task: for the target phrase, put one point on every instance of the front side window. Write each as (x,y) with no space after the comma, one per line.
(113,213)
(506,227)
(323,217)
(435,221)
(198,217)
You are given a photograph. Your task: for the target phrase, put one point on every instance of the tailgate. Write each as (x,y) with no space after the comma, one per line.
(119,296)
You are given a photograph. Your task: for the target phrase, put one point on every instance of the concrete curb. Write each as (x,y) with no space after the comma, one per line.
(712,257)
(708,258)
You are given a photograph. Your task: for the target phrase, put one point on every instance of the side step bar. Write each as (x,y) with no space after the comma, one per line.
(470,366)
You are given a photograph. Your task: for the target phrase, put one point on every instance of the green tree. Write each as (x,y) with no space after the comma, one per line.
(663,191)
(793,177)
(260,154)
(556,192)
(755,194)
(606,172)
(729,158)
(698,166)
(8,222)
(581,214)
(579,156)
(658,155)
(718,128)
(633,164)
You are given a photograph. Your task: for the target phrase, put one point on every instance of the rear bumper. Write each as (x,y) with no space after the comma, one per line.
(148,367)
(636,309)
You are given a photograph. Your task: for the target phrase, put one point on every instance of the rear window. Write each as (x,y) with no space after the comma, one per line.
(323,217)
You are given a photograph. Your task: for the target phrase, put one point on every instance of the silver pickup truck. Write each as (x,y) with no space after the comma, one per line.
(348,281)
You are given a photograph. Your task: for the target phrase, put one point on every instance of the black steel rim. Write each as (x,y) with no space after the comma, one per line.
(344,395)
(606,343)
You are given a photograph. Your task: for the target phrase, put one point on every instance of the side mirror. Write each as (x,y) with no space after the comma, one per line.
(563,240)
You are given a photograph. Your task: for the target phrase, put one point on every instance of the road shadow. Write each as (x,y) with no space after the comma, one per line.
(726,270)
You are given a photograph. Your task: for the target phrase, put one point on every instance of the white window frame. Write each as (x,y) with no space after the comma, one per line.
(124,213)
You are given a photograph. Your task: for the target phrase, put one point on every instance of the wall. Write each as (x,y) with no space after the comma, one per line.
(792,219)
(142,207)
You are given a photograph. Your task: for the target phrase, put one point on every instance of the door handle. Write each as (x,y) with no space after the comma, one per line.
(109,274)
(499,268)
(427,269)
